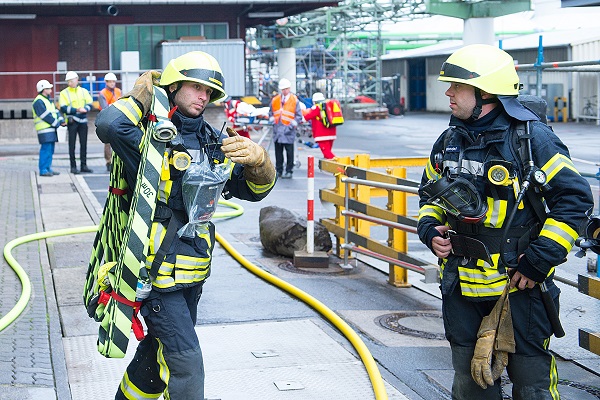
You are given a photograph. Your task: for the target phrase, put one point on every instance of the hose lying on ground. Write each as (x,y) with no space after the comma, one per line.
(327,313)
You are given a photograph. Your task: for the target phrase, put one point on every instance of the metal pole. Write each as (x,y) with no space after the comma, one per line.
(538,70)
(310,205)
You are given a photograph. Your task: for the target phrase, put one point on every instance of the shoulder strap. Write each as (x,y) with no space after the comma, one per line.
(521,140)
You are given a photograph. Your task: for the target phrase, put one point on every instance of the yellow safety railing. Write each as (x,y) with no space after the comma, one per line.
(589,339)
(357,187)
(560,109)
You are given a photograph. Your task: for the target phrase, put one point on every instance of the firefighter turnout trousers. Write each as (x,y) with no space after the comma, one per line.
(532,369)
(170,345)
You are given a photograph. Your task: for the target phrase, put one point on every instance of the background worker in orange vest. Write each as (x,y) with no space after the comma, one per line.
(286,115)
(107,96)
(323,135)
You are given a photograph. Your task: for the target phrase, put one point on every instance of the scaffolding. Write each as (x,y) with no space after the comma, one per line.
(339,49)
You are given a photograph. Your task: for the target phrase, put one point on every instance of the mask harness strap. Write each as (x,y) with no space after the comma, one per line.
(479,102)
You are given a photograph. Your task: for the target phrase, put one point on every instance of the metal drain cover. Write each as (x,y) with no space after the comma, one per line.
(288,385)
(332,269)
(423,324)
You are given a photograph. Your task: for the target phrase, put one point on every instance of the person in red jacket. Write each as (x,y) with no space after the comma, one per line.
(231,112)
(324,136)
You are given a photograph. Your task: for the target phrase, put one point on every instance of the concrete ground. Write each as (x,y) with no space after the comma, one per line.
(258,341)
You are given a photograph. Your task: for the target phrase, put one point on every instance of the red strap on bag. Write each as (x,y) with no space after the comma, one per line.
(136,324)
(117,191)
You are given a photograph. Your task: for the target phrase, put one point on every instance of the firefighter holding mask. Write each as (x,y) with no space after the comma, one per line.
(500,223)
(168,361)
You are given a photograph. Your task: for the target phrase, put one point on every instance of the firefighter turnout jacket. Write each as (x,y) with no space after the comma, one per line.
(566,195)
(187,261)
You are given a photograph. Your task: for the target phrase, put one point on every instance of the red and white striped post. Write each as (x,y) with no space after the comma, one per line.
(310,207)
(311,258)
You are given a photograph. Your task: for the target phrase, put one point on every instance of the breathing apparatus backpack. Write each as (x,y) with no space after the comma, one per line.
(331,112)
(522,144)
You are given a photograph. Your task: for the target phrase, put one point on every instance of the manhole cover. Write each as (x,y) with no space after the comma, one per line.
(428,325)
(593,390)
(331,270)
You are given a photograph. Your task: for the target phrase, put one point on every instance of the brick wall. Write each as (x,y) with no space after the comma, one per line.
(84,47)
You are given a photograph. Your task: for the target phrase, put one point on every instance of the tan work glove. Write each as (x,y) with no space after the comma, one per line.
(481,362)
(505,340)
(495,340)
(258,167)
(142,89)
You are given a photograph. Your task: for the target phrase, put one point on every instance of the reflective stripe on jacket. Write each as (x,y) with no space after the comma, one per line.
(567,197)
(46,119)
(287,113)
(71,99)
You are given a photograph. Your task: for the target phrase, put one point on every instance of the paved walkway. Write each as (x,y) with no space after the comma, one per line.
(258,342)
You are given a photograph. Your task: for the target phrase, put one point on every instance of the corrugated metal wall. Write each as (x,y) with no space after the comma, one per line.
(229,53)
(587,83)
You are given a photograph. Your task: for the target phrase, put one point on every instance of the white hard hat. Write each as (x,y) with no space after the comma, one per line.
(71,75)
(110,77)
(317,96)
(284,84)
(43,84)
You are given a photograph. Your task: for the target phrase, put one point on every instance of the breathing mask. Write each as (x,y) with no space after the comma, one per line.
(458,197)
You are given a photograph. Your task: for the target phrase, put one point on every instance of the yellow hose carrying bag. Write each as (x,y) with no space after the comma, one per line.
(121,243)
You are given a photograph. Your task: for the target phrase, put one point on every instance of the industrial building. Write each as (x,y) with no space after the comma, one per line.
(340,48)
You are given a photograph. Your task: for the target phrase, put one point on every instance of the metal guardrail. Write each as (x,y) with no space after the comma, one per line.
(92,80)
(431,273)
(356,185)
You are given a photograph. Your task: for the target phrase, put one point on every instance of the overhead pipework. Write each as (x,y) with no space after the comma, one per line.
(347,42)
(110,10)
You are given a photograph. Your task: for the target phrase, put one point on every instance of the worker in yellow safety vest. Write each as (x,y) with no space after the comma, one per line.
(47,119)
(75,103)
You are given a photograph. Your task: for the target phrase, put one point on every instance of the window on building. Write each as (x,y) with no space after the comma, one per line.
(146,39)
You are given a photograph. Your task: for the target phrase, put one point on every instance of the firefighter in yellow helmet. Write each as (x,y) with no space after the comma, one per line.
(168,360)
(500,205)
